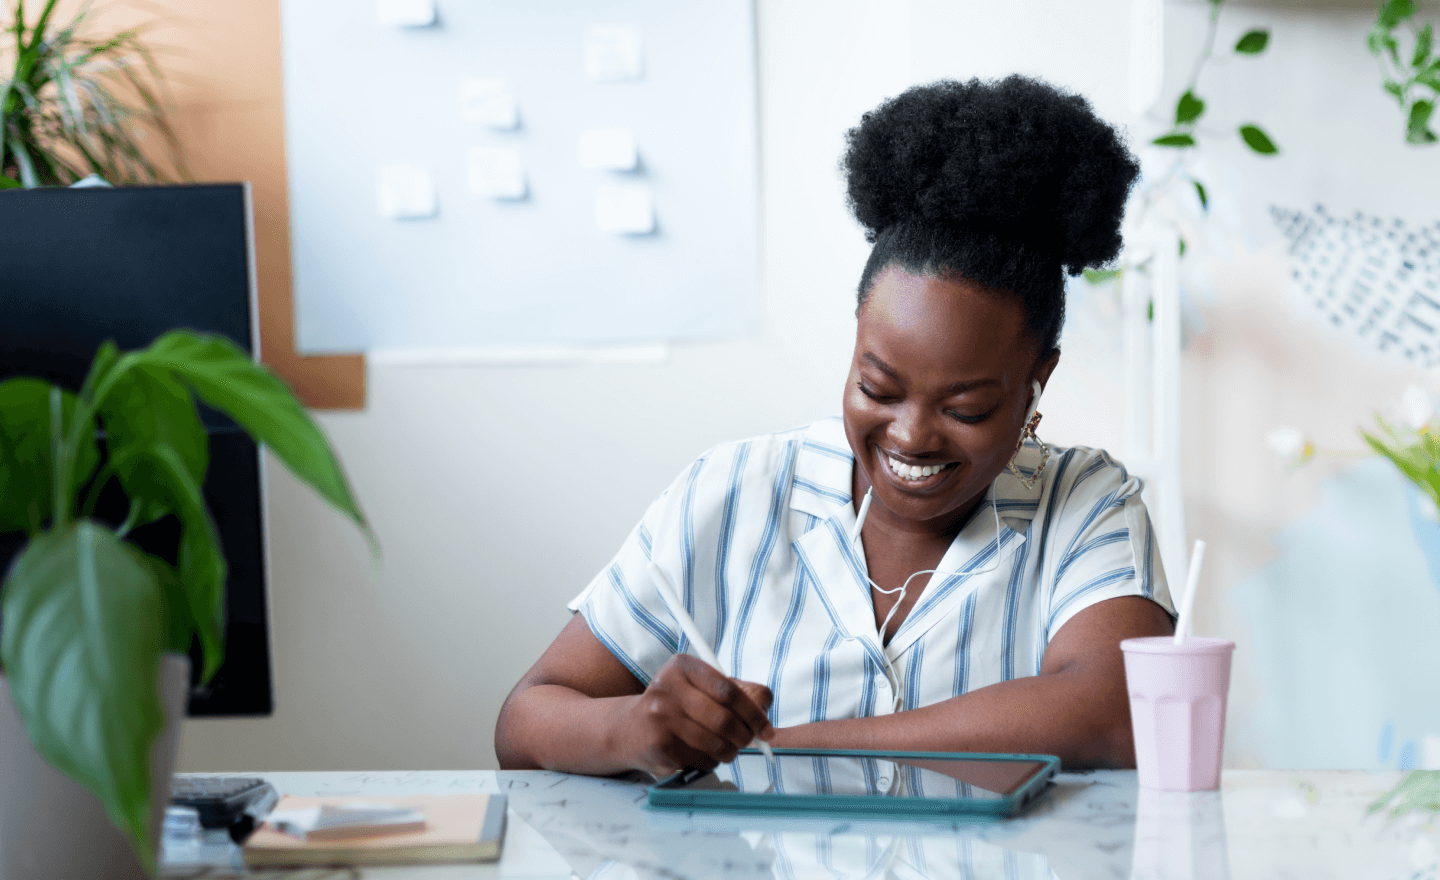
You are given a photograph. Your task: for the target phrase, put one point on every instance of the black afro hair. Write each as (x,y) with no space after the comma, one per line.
(1009,184)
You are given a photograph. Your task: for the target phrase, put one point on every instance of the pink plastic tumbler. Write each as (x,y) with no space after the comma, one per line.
(1177,709)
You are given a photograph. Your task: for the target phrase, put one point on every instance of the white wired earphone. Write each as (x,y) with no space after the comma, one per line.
(864,511)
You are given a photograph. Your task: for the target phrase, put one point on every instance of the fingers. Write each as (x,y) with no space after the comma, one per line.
(760,695)
(667,739)
(741,701)
(670,752)
(693,716)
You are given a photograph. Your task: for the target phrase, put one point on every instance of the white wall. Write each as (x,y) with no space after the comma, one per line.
(497,493)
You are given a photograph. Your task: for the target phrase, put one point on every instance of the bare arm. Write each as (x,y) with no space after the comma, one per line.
(1076,708)
(580,710)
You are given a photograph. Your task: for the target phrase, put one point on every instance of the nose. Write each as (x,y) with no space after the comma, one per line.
(915,430)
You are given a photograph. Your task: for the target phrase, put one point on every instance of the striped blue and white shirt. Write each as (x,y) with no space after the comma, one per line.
(756,535)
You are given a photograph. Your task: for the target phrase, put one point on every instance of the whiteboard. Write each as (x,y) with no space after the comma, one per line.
(481,272)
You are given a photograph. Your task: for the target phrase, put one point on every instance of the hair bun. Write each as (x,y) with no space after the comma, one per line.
(1017,159)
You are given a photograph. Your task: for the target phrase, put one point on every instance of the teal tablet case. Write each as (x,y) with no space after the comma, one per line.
(674,793)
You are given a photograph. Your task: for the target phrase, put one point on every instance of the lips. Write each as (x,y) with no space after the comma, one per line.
(912,475)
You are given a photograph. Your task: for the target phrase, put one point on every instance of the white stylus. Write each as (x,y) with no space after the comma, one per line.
(692,632)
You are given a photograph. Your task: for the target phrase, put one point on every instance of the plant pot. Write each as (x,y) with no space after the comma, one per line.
(51,827)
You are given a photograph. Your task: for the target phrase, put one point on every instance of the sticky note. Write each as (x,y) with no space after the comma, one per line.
(488,102)
(496,173)
(613,53)
(405,13)
(609,148)
(405,192)
(624,210)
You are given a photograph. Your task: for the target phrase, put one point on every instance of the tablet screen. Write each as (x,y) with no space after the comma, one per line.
(802,773)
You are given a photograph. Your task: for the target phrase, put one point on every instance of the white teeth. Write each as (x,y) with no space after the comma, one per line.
(910,471)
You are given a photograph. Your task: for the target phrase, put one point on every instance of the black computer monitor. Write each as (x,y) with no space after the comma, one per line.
(79,266)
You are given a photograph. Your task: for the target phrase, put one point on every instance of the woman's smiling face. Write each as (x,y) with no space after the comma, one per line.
(937,395)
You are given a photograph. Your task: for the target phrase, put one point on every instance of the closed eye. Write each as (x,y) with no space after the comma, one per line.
(971,420)
(872,393)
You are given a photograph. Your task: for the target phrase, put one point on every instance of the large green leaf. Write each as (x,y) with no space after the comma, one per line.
(202,563)
(179,626)
(81,649)
(8,182)
(144,408)
(27,472)
(224,377)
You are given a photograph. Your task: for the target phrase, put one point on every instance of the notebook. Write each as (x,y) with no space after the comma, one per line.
(457,828)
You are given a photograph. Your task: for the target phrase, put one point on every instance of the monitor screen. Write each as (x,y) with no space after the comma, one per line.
(81,266)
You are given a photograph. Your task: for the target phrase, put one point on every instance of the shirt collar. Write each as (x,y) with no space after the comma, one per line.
(823,471)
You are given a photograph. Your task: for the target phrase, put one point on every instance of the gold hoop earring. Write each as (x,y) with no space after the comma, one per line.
(1029,433)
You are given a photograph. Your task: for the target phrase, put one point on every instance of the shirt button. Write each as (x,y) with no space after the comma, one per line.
(883,782)
(882,683)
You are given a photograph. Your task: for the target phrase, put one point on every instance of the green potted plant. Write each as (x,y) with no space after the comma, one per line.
(85,617)
(76,105)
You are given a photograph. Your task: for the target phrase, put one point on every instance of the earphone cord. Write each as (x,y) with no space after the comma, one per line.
(890,673)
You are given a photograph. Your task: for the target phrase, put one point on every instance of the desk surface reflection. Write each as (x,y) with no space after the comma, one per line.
(1095,825)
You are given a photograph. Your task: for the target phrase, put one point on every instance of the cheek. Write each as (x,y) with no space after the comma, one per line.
(861,413)
(992,446)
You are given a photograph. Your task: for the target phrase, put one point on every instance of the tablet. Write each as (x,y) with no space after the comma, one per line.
(864,783)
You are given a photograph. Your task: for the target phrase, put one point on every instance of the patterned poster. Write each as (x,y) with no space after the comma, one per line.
(1376,279)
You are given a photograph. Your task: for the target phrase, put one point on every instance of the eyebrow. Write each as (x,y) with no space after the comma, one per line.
(957,388)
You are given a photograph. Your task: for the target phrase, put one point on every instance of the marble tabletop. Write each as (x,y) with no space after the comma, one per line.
(1270,824)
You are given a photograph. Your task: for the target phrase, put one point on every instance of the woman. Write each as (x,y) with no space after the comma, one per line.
(923,573)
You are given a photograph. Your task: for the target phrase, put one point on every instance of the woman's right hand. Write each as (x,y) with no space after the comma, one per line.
(692,716)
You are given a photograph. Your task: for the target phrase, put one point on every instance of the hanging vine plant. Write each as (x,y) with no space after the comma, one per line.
(1408,62)
(1190,107)
(76,105)
(1184,134)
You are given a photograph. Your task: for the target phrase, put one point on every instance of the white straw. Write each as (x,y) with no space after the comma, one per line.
(692,632)
(1192,580)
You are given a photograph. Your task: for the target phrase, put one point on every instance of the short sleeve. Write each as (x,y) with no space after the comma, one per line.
(1103,544)
(621,604)
(682,532)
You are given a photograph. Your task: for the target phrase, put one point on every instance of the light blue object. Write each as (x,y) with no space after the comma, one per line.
(1342,630)
(536,271)
(1407,756)
(1426,529)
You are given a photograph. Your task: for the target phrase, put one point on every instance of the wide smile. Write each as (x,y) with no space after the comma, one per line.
(914,476)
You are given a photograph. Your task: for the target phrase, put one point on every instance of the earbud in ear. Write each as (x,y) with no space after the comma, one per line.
(1035,390)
